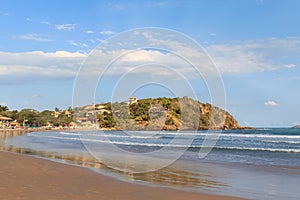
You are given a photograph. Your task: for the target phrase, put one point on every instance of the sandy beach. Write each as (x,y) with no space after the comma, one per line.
(25,177)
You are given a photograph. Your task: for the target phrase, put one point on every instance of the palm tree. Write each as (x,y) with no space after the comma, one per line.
(3,108)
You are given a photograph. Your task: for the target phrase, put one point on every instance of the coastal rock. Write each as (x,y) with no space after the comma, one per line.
(166,114)
(297,126)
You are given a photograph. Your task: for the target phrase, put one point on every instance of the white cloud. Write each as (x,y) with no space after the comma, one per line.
(28,19)
(29,66)
(238,58)
(271,103)
(45,22)
(33,37)
(65,27)
(107,32)
(78,44)
(145,56)
(34,96)
(148,62)
(256,55)
(243,57)
(63,54)
(289,65)
(97,40)
(89,32)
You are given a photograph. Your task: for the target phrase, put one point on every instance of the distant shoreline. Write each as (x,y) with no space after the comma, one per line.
(27,130)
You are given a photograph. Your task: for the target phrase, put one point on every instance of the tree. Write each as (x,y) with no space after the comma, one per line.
(46,117)
(56,109)
(28,116)
(70,109)
(12,114)
(3,108)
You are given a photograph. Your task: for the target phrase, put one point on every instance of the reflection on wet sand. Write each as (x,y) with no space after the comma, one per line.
(172,176)
(5,133)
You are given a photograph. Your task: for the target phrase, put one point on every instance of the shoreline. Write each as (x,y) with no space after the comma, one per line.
(213,178)
(34,178)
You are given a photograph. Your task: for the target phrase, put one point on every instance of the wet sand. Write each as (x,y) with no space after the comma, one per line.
(25,177)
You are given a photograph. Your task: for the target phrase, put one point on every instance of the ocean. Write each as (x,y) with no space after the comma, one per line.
(254,164)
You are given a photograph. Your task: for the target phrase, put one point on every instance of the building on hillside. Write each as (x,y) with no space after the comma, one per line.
(99,107)
(87,122)
(81,119)
(132,100)
(56,114)
(102,111)
(68,113)
(89,107)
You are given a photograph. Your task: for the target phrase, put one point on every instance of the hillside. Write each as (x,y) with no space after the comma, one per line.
(164,114)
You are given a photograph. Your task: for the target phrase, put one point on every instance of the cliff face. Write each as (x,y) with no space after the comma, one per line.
(166,114)
(216,118)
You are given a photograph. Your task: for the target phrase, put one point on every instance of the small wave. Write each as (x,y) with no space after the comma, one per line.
(99,135)
(166,134)
(264,129)
(125,136)
(68,133)
(118,142)
(260,136)
(172,145)
(278,141)
(261,149)
(274,136)
(233,135)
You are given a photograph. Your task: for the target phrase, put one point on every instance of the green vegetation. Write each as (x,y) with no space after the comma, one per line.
(33,118)
(3,108)
(165,114)
(146,114)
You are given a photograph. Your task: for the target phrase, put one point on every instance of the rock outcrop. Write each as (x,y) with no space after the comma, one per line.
(166,114)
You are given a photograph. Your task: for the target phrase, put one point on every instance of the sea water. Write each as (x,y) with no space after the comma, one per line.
(255,164)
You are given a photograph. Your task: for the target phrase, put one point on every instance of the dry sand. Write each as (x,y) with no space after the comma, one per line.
(24,177)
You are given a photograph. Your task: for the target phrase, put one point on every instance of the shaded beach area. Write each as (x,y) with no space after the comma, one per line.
(26,177)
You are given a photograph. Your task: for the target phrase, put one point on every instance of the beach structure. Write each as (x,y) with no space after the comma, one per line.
(14,124)
(87,122)
(81,119)
(4,121)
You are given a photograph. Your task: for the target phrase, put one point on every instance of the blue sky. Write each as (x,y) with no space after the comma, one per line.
(255,44)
